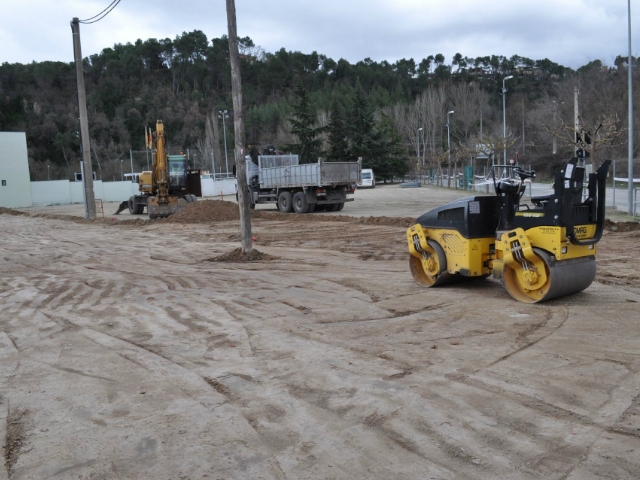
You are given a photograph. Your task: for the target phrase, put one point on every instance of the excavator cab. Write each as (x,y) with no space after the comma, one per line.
(177,173)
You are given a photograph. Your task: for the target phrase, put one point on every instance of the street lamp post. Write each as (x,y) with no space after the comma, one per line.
(504,117)
(630,81)
(121,175)
(223,115)
(418,138)
(449,149)
(48,176)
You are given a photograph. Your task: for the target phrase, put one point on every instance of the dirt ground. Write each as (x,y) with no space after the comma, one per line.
(132,349)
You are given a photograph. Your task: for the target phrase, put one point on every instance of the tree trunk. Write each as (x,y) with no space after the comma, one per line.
(238,129)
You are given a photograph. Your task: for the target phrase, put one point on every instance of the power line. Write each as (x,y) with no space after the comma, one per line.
(102,14)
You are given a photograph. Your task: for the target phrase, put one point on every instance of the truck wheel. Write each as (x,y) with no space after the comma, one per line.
(300,204)
(132,206)
(285,202)
(139,208)
(340,207)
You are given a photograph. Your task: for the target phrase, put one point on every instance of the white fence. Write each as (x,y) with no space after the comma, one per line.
(64,192)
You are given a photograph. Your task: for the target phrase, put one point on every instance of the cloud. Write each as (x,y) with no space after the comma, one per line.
(569,32)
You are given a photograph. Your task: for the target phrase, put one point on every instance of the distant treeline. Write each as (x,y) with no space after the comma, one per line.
(186,82)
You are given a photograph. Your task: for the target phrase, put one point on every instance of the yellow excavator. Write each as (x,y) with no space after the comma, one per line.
(168,188)
(540,251)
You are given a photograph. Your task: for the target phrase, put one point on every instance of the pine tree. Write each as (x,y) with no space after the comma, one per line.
(377,142)
(390,158)
(338,143)
(303,119)
(361,127)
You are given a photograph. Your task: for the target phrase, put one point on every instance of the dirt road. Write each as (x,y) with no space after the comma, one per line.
(127,353)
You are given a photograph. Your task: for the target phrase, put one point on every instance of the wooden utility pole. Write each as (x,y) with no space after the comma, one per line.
(87,171)
(238,129)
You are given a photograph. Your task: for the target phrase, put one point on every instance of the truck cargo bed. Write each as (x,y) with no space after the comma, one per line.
(284,172)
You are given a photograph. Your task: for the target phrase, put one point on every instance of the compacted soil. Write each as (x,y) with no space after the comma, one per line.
(138,349)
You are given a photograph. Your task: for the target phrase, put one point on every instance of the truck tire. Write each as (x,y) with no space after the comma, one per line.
(300,204)
(340,207)
(333,207)
(285,202)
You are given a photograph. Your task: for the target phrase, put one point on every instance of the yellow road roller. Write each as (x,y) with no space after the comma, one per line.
(541,249)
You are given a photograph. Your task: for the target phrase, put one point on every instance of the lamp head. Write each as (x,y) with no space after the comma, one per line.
(420,129)
(509,77)
(449,113)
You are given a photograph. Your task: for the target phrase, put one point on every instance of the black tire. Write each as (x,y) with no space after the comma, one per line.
(373,185)
(132,206)
(333,207)
(340,207)
(285,202)
(300,204)
(139,208)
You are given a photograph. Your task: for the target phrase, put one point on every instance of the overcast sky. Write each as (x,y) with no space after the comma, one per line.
(569,32)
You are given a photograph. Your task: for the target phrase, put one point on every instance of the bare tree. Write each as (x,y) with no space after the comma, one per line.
(430,112)
(460,153)
(467,101)
(494,143)
(592,138)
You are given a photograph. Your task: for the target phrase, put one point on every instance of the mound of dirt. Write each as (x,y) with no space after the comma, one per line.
(621,226)
(205,211)
(208,211)
(292,217)
(10,211)
(237,256)
(387,221)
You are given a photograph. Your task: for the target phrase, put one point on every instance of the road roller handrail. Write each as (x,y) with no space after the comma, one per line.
(600,177)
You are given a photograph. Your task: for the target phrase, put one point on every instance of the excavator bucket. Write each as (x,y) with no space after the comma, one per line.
(158,209)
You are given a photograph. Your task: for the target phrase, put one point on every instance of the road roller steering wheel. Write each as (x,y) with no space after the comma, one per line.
(523,174)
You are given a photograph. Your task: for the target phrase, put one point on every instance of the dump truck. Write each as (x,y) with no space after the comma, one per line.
(168,187)
(301,188)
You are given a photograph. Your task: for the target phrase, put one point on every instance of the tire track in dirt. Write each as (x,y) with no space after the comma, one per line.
(538,338)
